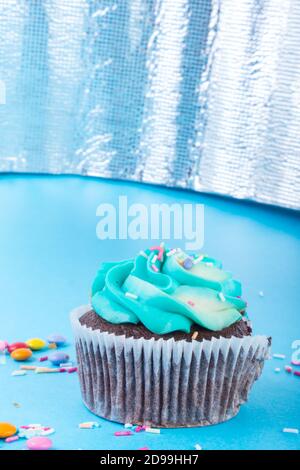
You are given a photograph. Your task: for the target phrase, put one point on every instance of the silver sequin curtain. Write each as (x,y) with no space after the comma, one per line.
(198,94)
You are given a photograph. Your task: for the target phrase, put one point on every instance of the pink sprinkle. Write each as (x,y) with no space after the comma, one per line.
(155,268)
(191,303)
(44,358)
(160,250)
(140,428)
(295,363)
(62,369)
(123,433)
(12,439)
(297,372)
(71,370)
(288,368)
(144,448)
(24,427)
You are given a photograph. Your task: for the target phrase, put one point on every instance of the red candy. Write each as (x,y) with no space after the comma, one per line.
(13,346)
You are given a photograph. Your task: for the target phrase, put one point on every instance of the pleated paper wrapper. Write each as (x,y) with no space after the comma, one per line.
(165,383)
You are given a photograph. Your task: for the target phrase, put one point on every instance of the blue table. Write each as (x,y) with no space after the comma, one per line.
(49,254)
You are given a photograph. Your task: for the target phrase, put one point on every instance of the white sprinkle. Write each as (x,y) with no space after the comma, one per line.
(2,359)
(131,296)
(47,432)
(198,447)
(66,364)
(171,252)
(261,293)
(142,253)
(279,356)
(221,297)
(209,263)
(128,425)
(291,430)
(154,259)
(18,372)
(198,259)
(277,369)
(152,430)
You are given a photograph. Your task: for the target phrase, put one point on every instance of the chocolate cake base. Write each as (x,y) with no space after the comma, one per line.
(92,320)
(128,377)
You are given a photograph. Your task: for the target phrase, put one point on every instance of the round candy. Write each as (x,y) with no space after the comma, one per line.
(36,343)
(39,443)
(7,430)
(21,354)
(3,345)
(59,340)
(13,346)
(188,263)
(58,358)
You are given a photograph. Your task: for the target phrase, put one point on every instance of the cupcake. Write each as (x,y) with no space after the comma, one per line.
(166,341)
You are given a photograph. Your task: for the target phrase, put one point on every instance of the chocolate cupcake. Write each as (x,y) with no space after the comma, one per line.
(166,342)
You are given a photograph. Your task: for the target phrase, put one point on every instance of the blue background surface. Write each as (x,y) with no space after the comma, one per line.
(49,254)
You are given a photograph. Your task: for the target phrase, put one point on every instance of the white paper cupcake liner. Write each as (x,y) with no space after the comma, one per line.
(165,383)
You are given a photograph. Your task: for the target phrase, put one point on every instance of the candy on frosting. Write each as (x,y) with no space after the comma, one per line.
(170,297)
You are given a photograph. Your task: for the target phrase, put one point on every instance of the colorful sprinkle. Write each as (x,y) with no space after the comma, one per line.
(297,372)
(291,430)
(279,356)
(28,367)
(198,259)
(154,259)
(71,370)
(194,335)
(144,448)
(46,370)
(160,250)
(222,297)
(152,430)
(123,433)
(11,439)
(191,303)
(128,425)
(155,268)
(209,263)
(277,369)
(261,294)
(43,358)
(89,425)
(295,363)
(198,447)
(288,369)
(171,252)
(131,296)
(140,429)
(16,373)
(142,253)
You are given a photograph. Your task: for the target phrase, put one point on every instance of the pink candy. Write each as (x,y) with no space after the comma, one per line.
(140,428)
(123,433)
(39,443)
(12,439)
(3,345)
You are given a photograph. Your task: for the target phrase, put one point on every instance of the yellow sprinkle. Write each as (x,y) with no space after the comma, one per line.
(195,334)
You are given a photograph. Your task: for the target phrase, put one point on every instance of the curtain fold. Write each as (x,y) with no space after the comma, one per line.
(197,94)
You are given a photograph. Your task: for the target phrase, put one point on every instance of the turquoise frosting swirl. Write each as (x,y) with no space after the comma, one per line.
(167,291)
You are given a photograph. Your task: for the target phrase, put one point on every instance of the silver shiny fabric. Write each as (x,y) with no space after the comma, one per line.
(198,94)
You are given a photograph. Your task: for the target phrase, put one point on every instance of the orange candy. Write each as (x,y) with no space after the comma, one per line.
(21,354)
(7,430)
